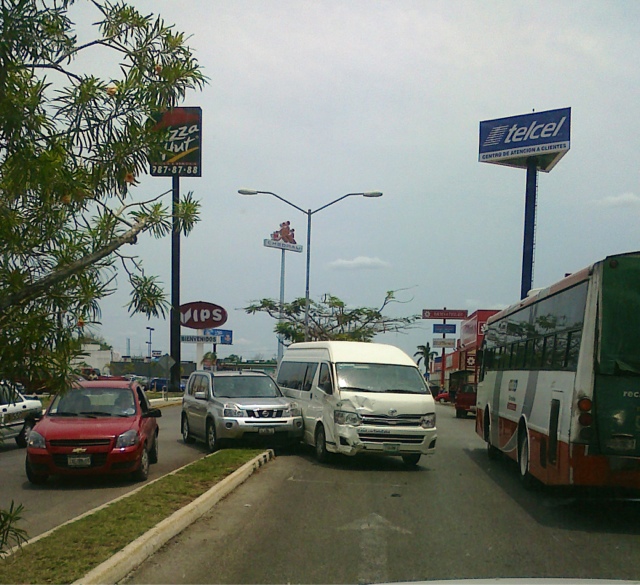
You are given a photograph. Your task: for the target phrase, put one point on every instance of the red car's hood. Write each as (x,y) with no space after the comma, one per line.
(53,428)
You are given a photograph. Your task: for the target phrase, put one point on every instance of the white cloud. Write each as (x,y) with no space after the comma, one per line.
(359,263)
(623,200)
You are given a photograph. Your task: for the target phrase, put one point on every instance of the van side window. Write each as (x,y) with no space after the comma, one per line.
(297,375)
(309,376)
(324,379)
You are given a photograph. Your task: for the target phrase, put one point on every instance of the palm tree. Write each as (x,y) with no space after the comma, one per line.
(425,353)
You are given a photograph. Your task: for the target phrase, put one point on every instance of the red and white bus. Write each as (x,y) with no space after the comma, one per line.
(559,387)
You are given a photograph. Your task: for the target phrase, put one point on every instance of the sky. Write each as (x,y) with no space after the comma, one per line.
(316,99)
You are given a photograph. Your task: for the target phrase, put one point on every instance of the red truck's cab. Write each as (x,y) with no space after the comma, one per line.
(465,400)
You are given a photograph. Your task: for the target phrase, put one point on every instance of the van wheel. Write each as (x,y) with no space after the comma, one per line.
(523,459)
(212,440)
(187,437)
(322,455)
(411,460)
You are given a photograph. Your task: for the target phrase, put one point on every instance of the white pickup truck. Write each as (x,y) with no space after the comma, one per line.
(18,414)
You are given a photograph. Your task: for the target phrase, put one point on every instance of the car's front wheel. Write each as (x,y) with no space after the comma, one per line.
(153,455)
(142,473)
(34,478)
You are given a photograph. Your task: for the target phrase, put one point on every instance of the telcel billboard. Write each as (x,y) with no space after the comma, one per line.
(512,141)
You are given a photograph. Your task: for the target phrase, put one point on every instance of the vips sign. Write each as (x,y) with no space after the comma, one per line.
(182,155)
(511,141)
(201,315)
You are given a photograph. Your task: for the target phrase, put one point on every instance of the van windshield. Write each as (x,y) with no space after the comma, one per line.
(355,377)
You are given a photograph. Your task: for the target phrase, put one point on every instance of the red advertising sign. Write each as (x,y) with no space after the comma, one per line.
(201,315)
(444,314)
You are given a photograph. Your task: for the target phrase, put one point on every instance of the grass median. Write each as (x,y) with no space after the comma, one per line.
(73,550)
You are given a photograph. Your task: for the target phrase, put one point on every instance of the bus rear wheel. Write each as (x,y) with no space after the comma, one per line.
(492,452)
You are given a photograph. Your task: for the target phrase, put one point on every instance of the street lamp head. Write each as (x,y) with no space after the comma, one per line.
(247,192)
(372,194)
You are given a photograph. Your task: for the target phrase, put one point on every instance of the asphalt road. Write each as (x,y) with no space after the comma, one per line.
(370,519)
(62,499)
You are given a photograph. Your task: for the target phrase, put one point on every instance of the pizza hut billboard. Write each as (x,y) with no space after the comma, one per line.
(202,315)
(182,153)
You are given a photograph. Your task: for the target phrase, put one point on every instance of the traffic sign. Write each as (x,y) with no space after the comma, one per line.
(444,313)
(444,328)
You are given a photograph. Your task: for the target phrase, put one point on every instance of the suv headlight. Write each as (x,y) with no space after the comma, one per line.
(128,439)
(36,440)
(233,411)
(293,410)
(428,421)
(343,417)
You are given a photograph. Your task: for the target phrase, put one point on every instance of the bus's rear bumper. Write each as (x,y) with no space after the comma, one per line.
(604,470)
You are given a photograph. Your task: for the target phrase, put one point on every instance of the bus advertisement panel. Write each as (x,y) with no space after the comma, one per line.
(559,388)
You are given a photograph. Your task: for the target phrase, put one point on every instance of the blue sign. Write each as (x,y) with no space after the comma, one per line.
(226,335)
(444,328)
(512,141)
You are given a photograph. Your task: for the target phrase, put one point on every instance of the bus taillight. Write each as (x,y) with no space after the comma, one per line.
(585,419)
(584,405)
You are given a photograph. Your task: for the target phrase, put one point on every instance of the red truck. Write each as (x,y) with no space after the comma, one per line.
(465,400)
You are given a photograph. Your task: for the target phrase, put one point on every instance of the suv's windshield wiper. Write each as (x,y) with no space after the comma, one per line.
(403,391)
(64,413)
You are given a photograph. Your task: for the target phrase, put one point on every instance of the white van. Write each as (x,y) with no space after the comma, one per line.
(360,397)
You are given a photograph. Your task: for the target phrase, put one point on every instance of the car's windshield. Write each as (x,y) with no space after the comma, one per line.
(380,378)
(245,387)
(94,402)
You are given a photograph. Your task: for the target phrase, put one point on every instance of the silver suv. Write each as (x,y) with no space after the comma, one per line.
(18,414)
(235,405)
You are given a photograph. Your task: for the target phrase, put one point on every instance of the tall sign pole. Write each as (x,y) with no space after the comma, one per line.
(533,142)
(174,330)
(181,156)
(284,239)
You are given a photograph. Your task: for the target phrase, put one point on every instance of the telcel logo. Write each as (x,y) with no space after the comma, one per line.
(518,133)
(534,131)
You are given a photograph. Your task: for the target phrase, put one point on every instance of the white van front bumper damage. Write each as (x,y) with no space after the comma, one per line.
(351,440)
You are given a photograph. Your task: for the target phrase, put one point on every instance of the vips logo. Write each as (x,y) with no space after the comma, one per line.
(201,315)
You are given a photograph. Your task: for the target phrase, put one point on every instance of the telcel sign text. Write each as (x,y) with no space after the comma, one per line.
(512,141)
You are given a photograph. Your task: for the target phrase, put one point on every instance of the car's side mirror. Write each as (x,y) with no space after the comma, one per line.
(152,413)
(200,395)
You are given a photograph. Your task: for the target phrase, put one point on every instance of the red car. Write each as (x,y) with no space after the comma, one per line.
(443,397)
(97,427)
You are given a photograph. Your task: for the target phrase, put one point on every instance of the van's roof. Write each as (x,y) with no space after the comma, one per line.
(352,351)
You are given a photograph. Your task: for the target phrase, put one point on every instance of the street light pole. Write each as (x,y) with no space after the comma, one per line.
(308,213)
(151,329)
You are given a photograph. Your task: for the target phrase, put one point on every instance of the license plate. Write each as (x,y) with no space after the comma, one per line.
(266,431)
(79,460)
(390,448)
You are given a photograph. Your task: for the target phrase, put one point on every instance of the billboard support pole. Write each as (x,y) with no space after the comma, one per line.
(174,382)
(442,365)
(529,226)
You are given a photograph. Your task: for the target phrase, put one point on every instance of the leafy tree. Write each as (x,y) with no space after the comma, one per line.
(10,534)
(331,319)
(425,353)
(209,356)
(72,146)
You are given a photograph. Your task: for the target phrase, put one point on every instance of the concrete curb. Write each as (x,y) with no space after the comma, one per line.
(134,554)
